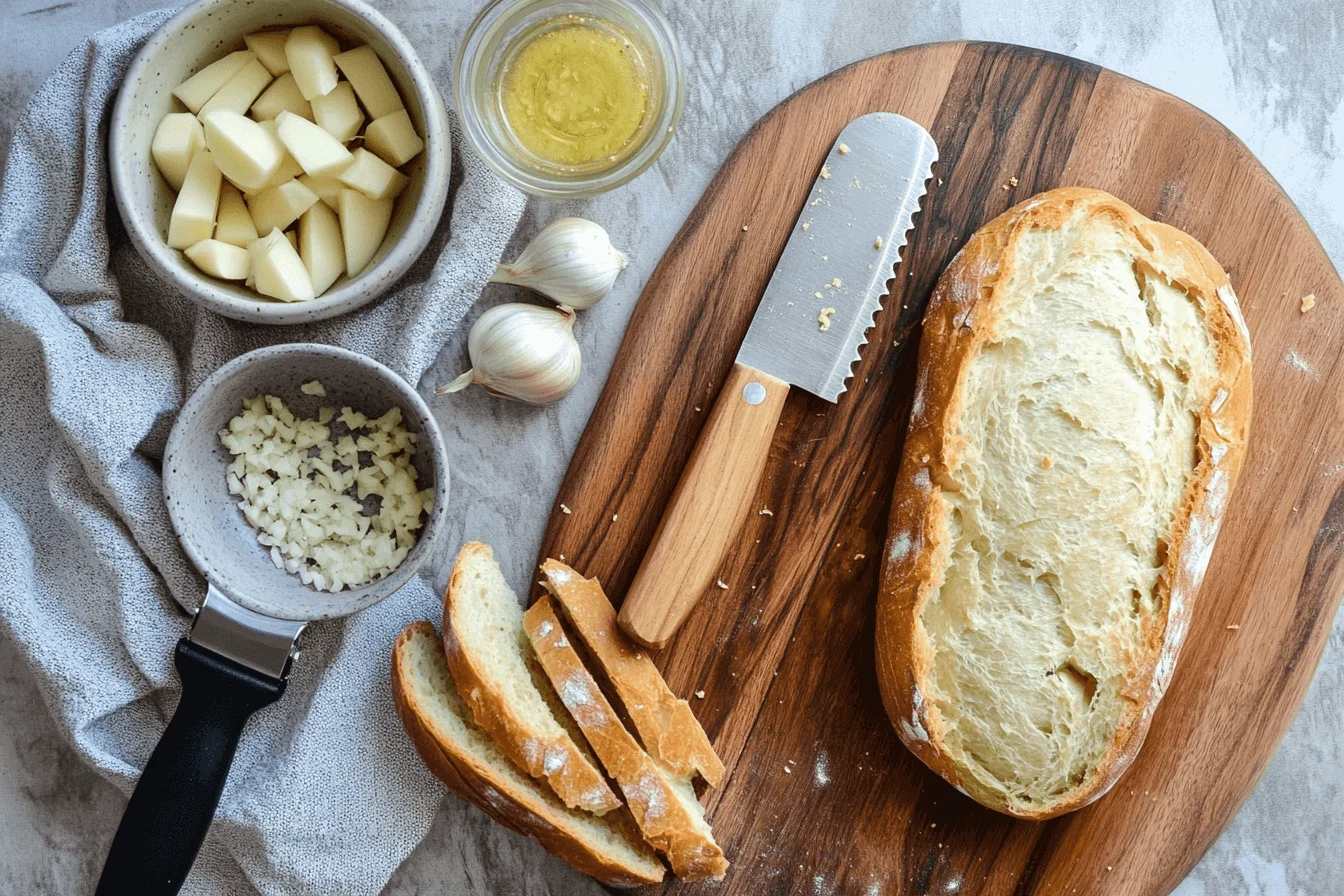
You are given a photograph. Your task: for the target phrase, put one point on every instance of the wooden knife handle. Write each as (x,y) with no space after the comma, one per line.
(711,500)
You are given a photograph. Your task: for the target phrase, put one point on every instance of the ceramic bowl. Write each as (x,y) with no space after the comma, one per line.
(205,31)
(207,519)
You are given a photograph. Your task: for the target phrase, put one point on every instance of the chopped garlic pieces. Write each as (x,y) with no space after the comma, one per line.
(336,514)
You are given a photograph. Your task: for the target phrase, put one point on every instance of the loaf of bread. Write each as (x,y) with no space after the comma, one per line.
(465,758)
(1080,415)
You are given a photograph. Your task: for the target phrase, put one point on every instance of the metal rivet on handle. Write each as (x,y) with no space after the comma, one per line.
(753,392)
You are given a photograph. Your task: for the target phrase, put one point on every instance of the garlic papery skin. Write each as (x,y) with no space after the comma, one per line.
(524,352)
(572,261)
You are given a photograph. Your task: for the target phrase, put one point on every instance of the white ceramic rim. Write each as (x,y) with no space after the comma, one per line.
(356,293)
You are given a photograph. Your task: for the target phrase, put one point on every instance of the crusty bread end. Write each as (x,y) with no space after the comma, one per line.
(665,723)
(664,806)
(490,657)
(466,759)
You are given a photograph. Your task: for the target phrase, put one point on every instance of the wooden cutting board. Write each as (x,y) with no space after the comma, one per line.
(822,797)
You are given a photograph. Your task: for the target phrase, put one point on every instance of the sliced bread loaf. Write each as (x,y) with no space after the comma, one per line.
(492,663)
(664,806)
(670,731)
(1080,415)
(465,758)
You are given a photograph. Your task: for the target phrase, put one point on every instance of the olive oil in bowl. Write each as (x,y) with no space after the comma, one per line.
(576,92)
(568,98)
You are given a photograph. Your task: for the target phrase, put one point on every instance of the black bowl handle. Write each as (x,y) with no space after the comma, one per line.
(175,799)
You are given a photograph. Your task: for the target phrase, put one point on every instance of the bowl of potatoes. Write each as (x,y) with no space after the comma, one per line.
(279,162)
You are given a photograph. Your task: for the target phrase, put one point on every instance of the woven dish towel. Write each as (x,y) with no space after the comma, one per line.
(97,353)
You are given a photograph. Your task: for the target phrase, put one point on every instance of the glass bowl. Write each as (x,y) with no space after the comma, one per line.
(492,42)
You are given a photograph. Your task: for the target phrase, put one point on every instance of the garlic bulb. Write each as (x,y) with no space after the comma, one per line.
(572,261)
(521,351)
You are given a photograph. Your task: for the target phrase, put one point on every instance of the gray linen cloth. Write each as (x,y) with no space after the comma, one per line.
(96,355)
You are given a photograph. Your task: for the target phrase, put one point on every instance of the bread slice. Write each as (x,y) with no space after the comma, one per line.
(665,724)
(665,807)
(492,661)
(465,758)
(1080,416)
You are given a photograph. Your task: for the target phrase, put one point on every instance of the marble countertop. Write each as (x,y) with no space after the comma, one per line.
(1271,70)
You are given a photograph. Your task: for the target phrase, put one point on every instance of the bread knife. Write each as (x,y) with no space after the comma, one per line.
(806,333)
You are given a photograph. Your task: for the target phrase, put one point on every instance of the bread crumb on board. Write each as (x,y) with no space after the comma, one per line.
(836,282)
(807,224)
(722,584)
(825,173)
(877,243)
(1233,627)
(565,510)
(824,319)
(1308,302)
(1012,181)
(842,149)
(700,695)
(766,511)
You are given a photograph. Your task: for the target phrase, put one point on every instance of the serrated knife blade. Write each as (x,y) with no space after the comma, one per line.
(807,332)
(841,254)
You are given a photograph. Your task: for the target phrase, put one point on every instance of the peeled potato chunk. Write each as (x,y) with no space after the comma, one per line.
(364,70)
(282,96)
(240,91)
(280,206)
(309,50)
(244,150)
(393,138)
(235,221)
(321,246)
(270,49)
(327,188)
(178,138)
(316,150)
(193,217)
(219,259)
(196,91)
(278,271)
(363,225)
(338,112)
(289,166)
(372,176)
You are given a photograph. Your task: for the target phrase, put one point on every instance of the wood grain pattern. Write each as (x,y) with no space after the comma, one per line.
(785,655)
(707,508)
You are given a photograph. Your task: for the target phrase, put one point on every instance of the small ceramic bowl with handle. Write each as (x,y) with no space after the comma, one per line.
(246,634)
(207,30)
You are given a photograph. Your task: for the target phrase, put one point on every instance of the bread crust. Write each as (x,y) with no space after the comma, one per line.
(956,325)
(668,825)
(558,760)
(533,813)
(665,723)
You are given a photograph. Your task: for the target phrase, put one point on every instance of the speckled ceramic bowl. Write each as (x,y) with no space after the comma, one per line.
(206,517)
(205,31)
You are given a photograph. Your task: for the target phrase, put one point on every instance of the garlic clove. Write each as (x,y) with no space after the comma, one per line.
(571,261)
(524,352)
